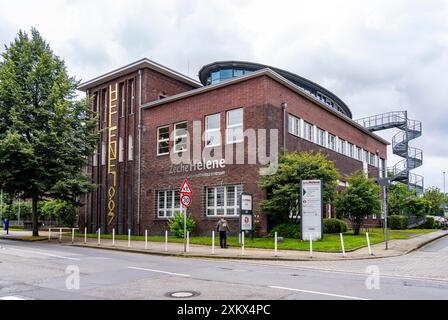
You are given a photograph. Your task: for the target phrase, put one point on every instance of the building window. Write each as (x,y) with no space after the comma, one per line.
(331,141)
(163,140)
(321,137)
(359,153)
(130,148)
(95,157)
(366,156)
(341,146)
(223,200)
(351,150)
(132,96)
(235,126)
(168,203)
(308,131)
(213,130)
(372,159)
(180,137)
(103,153)
(294,125)
(96,103)
(120,149)
(122,100)
(105,105)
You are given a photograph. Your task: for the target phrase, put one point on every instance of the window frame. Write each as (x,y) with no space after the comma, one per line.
(163,140)
(181,136)
(120,149)
(228,127)
(131,96)
(238,190)
(175,195)
(308,134)
(207,131)
(319,130)
(294,123)
(331,146)
(130,148)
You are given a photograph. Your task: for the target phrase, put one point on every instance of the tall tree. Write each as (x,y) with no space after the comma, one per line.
(283,187)
(360,199)
(46,135)
(437,199)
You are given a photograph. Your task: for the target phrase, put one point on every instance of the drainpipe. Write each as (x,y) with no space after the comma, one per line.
(140,129)
(285,124)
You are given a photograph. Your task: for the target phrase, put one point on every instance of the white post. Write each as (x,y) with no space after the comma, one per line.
(73,235)
(146,239)
(213,242)
(188,241)
(342,245)
(99,236)
(311,246)
(275,245)
(85,235)
(49,234)
(113,237)
(166,240)
(368,244)
(60,234)
(242,243)
(129,238)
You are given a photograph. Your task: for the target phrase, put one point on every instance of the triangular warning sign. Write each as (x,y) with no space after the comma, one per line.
(185,189)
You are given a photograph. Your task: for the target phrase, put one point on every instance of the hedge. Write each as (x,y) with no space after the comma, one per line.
(286,230)
(334,226)
(397,222)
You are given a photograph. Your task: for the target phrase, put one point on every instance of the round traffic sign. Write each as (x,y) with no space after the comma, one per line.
(185,200)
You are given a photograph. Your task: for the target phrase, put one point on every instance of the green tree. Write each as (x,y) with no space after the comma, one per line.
(436,199)
(397,195)
(417,206)
(283,188)
(360,199)
(46,135)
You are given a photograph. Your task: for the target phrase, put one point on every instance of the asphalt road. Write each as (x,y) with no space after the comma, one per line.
(48,271)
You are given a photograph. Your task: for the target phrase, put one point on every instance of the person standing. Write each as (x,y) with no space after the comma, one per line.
(222,227)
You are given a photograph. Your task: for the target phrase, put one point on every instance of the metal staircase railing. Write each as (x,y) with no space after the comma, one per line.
(413,157)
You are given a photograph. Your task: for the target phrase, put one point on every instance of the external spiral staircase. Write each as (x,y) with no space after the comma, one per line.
(413,157)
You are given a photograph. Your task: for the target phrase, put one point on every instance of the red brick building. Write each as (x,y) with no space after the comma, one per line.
(152,115)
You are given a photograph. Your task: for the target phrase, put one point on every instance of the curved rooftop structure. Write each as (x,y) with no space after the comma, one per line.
(217,72)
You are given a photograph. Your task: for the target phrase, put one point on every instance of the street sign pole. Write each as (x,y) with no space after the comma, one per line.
(385,216)
(185,230)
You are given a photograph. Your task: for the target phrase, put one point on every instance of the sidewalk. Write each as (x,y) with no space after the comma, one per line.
(397,247)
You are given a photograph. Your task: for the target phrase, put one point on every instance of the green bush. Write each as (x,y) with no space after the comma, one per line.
(429,223)
(397,222)
(334,226)
(286,230)
(176,224)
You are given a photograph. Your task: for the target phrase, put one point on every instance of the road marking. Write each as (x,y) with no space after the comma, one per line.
(12,298)
(160,271)
(319,293)
(45,254)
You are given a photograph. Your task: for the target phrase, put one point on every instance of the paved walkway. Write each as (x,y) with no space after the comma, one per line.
(397,247)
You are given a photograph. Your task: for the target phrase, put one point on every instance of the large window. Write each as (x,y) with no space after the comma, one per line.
(235,126)
(341,146)
(163,140)
(359,153)
(95,157)
(308,131)
(104,105)
(103,153)
(130,148)
(331,142)
(213,130)
(366,156)
(294,125)
(132,96)
(168,203)
(120,149)
(223,200)
(321,137)
(351,150)
(180,137)
(122,100)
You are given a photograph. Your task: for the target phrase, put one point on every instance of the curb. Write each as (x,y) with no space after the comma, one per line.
(421,245)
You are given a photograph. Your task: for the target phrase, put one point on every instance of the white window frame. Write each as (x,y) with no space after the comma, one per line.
(211,131)
(350,150)
(294,125)
(103,153)
(120,149)
(176,136)
(172,207)
(308,131)
(130,148)
(105,105)
(163,140)
(215,208)
(123,99)
(95,157)
(132,93)
(233,126)
(330,146)
(341,146)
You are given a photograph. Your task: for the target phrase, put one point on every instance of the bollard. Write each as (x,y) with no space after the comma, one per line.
(275,244)
(113,237)
(342,245)
(213,242)
(166,240)
(242,243)
(146,239)
(99,236)
(188,241)
(60,234)
(311,246)
(85,235)
(49,234)
(73,235)
(368,244)
(129,238)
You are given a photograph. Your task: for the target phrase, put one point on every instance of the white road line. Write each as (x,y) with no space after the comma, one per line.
(45,254)
(319,293)
(160,271)
(12,298)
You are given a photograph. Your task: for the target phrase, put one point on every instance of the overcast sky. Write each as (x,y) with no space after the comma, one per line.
(377,56)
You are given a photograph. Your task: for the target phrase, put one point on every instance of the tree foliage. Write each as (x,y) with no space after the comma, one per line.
(283,188)
(417,206)
(360,199)
(437,199)
(46,135)
(397,195)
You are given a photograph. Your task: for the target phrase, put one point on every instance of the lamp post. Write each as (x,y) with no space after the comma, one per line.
(444,190)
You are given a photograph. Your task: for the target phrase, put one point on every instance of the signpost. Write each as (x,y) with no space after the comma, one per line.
(246,213)
(185,200)
(312,210)
(385,183)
